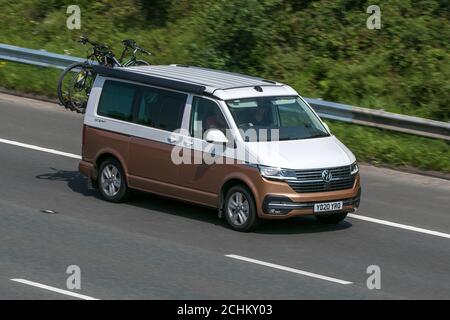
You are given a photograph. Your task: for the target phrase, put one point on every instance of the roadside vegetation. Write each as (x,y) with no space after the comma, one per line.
(321,48)
(380,147)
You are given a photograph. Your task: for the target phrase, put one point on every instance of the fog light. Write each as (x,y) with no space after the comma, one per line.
(274,211)
(277,205)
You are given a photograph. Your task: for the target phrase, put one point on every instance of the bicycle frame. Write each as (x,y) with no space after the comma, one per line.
(130,61)
(104,56)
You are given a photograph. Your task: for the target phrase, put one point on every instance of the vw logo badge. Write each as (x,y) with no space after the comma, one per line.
(326,175)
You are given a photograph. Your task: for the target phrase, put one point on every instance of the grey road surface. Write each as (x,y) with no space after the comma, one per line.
(156,248)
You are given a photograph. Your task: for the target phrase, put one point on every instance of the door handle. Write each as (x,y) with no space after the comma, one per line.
(172,139)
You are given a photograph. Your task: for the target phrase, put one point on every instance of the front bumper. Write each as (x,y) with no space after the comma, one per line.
(280,206)
(278,201)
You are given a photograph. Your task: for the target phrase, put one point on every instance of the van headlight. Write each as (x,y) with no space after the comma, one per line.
(277,173)
(354,168)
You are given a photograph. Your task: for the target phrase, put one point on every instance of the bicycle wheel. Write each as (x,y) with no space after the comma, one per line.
(139,63)
(64,82)
(79,90)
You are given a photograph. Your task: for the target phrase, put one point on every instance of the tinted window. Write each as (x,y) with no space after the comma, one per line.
(117,100)
(206,115)
(161,109)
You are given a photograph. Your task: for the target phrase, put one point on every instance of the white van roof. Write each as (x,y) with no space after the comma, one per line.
(220,84)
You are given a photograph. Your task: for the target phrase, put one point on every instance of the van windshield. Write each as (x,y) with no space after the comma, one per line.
(290,116)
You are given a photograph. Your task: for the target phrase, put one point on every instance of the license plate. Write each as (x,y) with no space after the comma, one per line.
(328,206)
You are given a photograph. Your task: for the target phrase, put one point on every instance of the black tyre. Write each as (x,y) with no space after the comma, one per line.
(333,218)
(111,181)
(63,82)
(240,209)
(74,87)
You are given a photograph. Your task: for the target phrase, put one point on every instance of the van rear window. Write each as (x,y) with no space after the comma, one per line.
(117,100)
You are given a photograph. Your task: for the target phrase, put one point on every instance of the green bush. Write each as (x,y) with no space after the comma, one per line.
(322,48)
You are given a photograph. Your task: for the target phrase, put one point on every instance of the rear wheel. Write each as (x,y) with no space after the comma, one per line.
(240,209)
(333,218)
(74,87)
(64,83)
(79,92)
(111,181)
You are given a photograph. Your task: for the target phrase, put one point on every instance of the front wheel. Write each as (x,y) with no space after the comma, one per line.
(333,218)
(240,209)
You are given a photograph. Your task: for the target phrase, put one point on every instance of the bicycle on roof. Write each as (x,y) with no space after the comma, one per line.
(75,83)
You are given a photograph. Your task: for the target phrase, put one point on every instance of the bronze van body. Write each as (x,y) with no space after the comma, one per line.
(132,125)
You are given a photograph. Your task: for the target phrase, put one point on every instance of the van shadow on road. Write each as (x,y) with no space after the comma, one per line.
(78,183)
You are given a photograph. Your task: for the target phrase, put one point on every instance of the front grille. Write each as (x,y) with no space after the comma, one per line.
(311,180)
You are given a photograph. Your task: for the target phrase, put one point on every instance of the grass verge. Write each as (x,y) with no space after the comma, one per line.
(29,79)
(378,146)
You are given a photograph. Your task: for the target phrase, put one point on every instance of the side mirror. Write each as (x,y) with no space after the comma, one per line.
(326,127)
(216,136)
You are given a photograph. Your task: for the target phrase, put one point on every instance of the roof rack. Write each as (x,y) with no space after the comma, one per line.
(149,79)
(236,74)
(210,78)
(186,78)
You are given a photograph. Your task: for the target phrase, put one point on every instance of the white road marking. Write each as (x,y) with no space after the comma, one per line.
(43,286)
(400,226)
(355,216)
(277,266)
(32,147)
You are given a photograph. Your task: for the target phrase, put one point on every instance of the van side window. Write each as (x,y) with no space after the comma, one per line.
(117,100)
(161,109)
(206,115)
